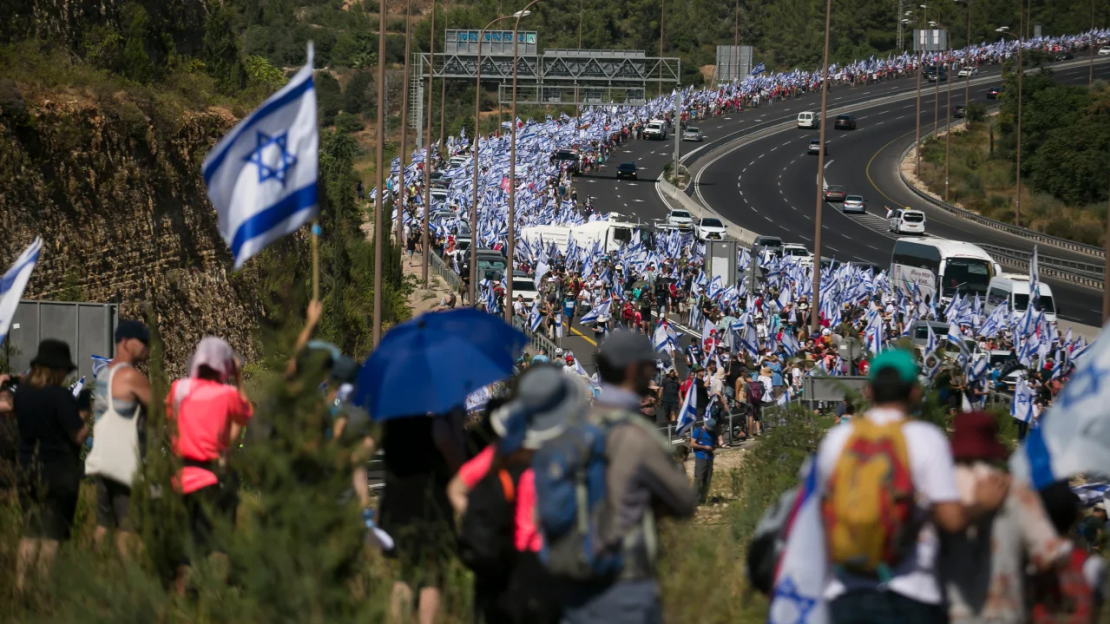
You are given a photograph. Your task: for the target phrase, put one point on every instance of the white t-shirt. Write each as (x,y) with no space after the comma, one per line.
(934,481)
(518,307)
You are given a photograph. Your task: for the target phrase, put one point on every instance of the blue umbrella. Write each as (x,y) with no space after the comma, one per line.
(430,364)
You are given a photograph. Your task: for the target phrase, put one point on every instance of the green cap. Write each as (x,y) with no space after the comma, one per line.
(898,359)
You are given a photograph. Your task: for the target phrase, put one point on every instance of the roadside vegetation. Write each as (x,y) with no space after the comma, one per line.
(1065,159)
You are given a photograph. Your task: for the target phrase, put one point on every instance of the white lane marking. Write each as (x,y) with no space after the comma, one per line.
(910,105)
(806,238)
(833,248)
(742,193)
(745,170)
(831,162)
(768,218)
(808,217)
(774,148)
(873,247)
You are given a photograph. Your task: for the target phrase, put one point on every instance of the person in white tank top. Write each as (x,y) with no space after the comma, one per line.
(121,398)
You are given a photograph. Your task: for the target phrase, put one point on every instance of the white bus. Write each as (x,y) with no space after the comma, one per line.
(940,267)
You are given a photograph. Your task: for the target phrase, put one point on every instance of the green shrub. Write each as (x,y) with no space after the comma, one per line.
(976,112)
(347,123)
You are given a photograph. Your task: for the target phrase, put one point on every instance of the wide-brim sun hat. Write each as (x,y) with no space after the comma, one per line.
(55,355)
(546,400)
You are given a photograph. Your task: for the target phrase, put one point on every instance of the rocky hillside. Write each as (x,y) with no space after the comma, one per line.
(114,189)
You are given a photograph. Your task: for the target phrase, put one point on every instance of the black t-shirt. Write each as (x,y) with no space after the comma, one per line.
(670,390)
(48,421)
(703,392)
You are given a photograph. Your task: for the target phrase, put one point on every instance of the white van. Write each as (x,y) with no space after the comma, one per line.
(1014,290)
(907,221)
(809,120)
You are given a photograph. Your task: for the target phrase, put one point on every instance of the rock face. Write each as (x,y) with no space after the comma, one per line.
(117,196)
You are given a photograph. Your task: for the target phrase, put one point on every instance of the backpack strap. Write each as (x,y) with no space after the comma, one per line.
(507,486)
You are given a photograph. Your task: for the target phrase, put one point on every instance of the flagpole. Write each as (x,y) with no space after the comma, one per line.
(379,158)
(815,307)
(315,260)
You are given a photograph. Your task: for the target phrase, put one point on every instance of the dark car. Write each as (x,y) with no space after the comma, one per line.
(994,93)
(626,170)
(845,122)
(835,193)
(1063,55)
(932,73)
(959,111)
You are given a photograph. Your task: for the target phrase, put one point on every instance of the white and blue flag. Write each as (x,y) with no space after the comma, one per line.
(689,412)
(758,69)
(13,282)
(261,177)
(98,364)
(1022,406)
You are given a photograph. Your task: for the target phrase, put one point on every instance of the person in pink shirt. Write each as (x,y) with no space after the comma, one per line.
(543,401)
(210,410)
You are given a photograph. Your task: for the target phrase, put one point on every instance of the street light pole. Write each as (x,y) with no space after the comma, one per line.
(814,312)
(1020,72)
(380,164)
(473,287)
(512,166)
(1106,271)
(404,134)
(967,78)
(920,68)
(948,128)
(936,90)
(426,242)
(1091,49)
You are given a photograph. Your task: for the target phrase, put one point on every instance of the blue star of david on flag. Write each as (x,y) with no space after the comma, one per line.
(285,160)
(789,595)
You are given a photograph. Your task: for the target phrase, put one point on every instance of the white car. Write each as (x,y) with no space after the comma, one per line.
(456,162)
(854,203)
(680,219)
(907,222)
(710,228)
(1104,51)
(656,129)
(809,119)
(524,286)
(795,250)
(968,72)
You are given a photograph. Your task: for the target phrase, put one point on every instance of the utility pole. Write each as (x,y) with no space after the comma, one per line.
(425,244)
(1106,271)
(1091,49)
(736,43)
(380,166)
(948,129)
(815,307)
(920,67)
(900,43)
(581,14)
(677,130)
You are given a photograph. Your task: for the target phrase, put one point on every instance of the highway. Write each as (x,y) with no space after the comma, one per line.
(722,180)
(768,185)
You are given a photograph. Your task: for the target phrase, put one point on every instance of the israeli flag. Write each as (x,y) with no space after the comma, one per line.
(261,177)
(597,312)
(534,317)
(800,578)
(98,364)
(13,282)
(1022,406)
(689,412)
(930,342)
(77,387)
(1072,436)
(758,69)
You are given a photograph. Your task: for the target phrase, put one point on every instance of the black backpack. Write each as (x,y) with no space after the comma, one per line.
(768,542)
(487,527)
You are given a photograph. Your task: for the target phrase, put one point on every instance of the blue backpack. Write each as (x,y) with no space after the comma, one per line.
(571,502)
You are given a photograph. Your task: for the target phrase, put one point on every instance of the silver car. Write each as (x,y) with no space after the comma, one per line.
(692,134)
(854,203)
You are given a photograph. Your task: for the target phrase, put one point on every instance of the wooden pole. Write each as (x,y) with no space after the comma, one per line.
(404,155)
(315,260)
(426,243)
(815,306)
(381,164)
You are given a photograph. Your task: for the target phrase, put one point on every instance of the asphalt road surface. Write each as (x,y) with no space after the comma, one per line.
(768,186)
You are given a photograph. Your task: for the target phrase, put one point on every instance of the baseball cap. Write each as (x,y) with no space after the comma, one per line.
(899,360)
(132,329)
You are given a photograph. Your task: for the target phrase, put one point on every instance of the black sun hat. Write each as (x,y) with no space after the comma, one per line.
(54,354)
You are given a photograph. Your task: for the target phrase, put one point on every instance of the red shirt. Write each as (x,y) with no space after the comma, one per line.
(204,417)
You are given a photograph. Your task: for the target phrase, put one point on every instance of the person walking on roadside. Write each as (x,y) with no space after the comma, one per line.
(51,433)
(669,397)
(210,409)
(643,480)
(121,398)
(883,455)
(701,440)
